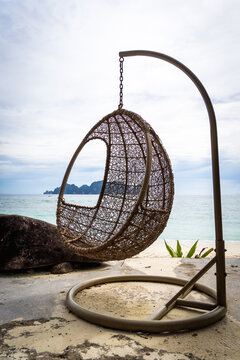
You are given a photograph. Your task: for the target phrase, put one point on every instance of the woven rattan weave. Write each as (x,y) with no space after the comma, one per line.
(136,196)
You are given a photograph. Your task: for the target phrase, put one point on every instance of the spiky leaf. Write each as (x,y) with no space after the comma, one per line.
(179,250)
(192,250)
(170,250)
(206,253)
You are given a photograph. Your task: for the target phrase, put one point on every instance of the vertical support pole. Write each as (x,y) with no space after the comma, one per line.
(219,242)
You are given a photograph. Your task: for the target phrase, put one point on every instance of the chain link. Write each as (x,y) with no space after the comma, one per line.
(121,59)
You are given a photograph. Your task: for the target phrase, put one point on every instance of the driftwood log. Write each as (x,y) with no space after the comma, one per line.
(27,243)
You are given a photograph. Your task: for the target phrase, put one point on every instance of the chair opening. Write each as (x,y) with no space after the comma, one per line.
(86,177)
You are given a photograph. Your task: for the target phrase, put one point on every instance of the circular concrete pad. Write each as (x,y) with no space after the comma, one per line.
(124,302)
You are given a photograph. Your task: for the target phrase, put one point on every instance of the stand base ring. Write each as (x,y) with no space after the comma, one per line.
(144,325)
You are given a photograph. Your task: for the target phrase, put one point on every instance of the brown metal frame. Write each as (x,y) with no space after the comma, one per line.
(216,311)
(220,249)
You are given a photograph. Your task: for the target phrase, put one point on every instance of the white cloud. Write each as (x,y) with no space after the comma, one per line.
(59,74)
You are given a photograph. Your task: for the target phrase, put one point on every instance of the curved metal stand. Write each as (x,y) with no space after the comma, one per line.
(151,324)
(220,250)
(215,312)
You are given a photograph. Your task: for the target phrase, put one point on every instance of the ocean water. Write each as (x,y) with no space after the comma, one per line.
(191,217)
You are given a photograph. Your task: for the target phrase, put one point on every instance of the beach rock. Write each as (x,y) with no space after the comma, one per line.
(62,268)
(27,243)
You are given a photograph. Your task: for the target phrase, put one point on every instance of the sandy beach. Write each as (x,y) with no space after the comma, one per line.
(36,324)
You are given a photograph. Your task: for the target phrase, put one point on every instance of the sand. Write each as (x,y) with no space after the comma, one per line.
(35,323)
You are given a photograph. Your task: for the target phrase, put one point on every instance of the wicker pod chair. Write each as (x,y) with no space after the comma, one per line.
(136,195)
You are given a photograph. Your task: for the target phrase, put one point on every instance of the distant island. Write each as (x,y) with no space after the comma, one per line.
(93,189)
(114,187)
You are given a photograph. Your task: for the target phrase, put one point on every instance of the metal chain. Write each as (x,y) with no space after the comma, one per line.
(121,59)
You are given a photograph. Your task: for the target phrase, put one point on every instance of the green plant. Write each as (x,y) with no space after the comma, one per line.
(178,253)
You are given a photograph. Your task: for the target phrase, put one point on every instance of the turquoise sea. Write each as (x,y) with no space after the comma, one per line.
(191,217)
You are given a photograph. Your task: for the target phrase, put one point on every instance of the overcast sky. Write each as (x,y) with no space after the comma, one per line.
(59,71)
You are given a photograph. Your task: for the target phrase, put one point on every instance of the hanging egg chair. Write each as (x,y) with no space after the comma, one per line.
(136,195)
